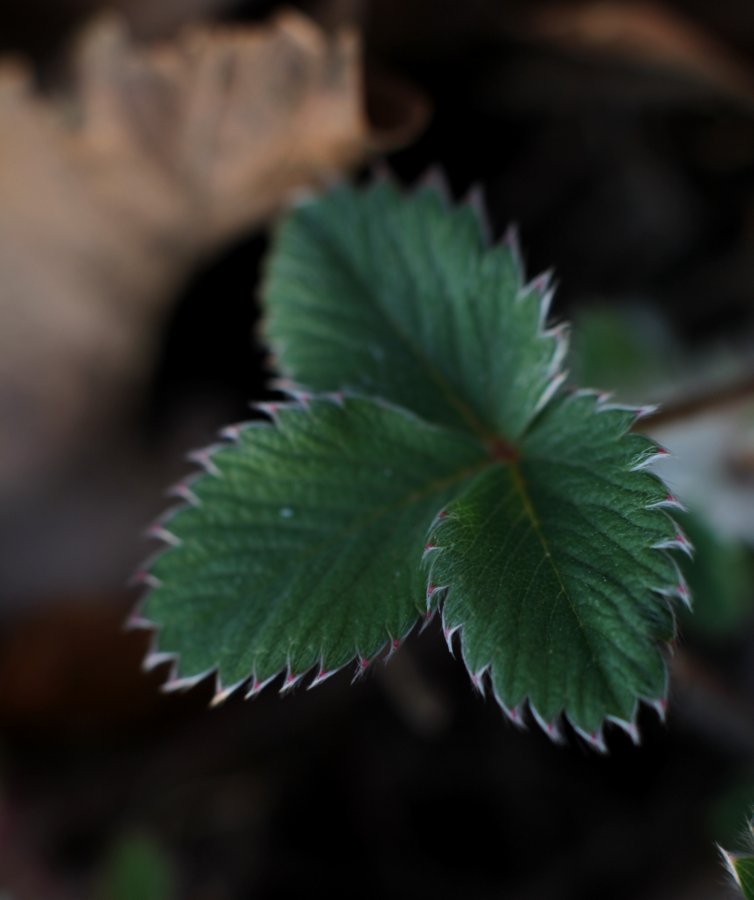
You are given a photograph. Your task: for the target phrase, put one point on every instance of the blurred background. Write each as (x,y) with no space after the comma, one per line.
(145,150)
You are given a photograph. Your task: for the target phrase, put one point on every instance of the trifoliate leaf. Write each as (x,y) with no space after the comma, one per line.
(303,545)
(402,299)
(525,510)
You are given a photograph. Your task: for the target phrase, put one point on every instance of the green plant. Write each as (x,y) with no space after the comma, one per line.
(450,471)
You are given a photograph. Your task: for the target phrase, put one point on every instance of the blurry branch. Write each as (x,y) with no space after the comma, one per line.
(683,56)
(114,190)
(717,398)
(642,33)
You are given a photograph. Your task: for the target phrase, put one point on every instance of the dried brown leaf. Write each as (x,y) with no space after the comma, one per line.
(112,191)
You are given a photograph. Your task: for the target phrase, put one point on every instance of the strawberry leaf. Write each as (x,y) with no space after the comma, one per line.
(552,571)
(456,473)
(402,299)
(303,544)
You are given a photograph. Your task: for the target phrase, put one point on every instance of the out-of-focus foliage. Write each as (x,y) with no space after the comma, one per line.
(137,869)
(631,349)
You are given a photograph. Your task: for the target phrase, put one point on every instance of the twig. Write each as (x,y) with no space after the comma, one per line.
(698,404)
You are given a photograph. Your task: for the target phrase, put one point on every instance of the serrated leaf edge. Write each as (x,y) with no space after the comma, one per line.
(553,729)
(541,288)
(295,400)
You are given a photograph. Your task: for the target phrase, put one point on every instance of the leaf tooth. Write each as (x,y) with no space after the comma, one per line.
(512,244)
(321,677)
(595,739)
(477,679)
(438,519)
(301,398)
(561,335)
(638,412)
(159,533)
(680,589)
(729,862)
(225,693)
(551,729)
(683,593)
(474,199)
(643,412)
(429,548)
(269,409)
(393,645)
(660,706)
(678,542)
(542,285)
(156,658)
(231,432)
(178,685)
(435,179)
(648,458)
(257,685)
(670,501)
(514,714)
(427,618)
(203,458)
(290,681)
(553,385)
(144,578)
(630,727)
(136,622)
(182,490)
(362,664)
(448,632)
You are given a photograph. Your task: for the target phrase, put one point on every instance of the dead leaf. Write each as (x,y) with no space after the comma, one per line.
(112,191)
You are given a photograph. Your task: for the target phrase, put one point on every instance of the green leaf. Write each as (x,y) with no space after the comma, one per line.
(302,548)
(546,537)
(552,571)
(401,298)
